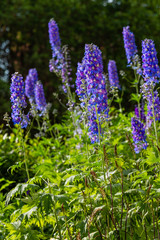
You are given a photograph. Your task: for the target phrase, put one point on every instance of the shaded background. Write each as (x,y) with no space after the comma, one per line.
(24,42)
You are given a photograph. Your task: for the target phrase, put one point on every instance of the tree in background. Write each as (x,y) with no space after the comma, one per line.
(24,41)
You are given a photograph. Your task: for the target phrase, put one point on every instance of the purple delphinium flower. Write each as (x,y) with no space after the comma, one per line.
(96,85)
(91,84)
(30,82)
(55,64)
(152,98)
(60,62)
(150,66)
(18,100)
(81,84)
(93,128)
(40,97)
(112,74)
(129,44)
(153,101)
(54,37)
(139,136)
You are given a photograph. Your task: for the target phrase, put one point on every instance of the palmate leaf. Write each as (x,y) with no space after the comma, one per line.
(20,189)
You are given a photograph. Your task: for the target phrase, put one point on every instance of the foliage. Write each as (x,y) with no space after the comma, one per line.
(69,195)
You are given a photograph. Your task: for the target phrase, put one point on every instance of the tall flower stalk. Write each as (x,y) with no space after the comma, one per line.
(91,89)
(30,83)
(129,45)
(151,73)
(40,97)
(60,62)
(133,59)
(18,102)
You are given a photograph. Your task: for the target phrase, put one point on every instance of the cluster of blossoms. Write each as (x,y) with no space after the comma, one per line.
(56,62)
(81,84)
(33,89)
(91,89)
(129,44)
(138,129)
(151,73)
(153,102)
(18,100)
(113,75)
(35,93)
(30,83)
(151,70)
(59,62)
(139,136)
(40,97)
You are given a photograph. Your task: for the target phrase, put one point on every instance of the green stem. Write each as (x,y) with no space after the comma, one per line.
(24,152)
(139,107)
(86,139)
(54,207)
(137,77)
(59,230)
(39,127)
(99,135)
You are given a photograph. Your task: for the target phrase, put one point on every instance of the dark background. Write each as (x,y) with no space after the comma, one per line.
(24,42)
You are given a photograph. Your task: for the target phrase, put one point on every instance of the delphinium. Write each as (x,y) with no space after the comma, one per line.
(42,109)
(151,70)
(113,74)
(133,59)
(60,62)
(54,39)
(40,97)
(129,45)
(30,82)
(81,83)
(151,74)
(139,136)
(18,100)
(114,81)
(91,84)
